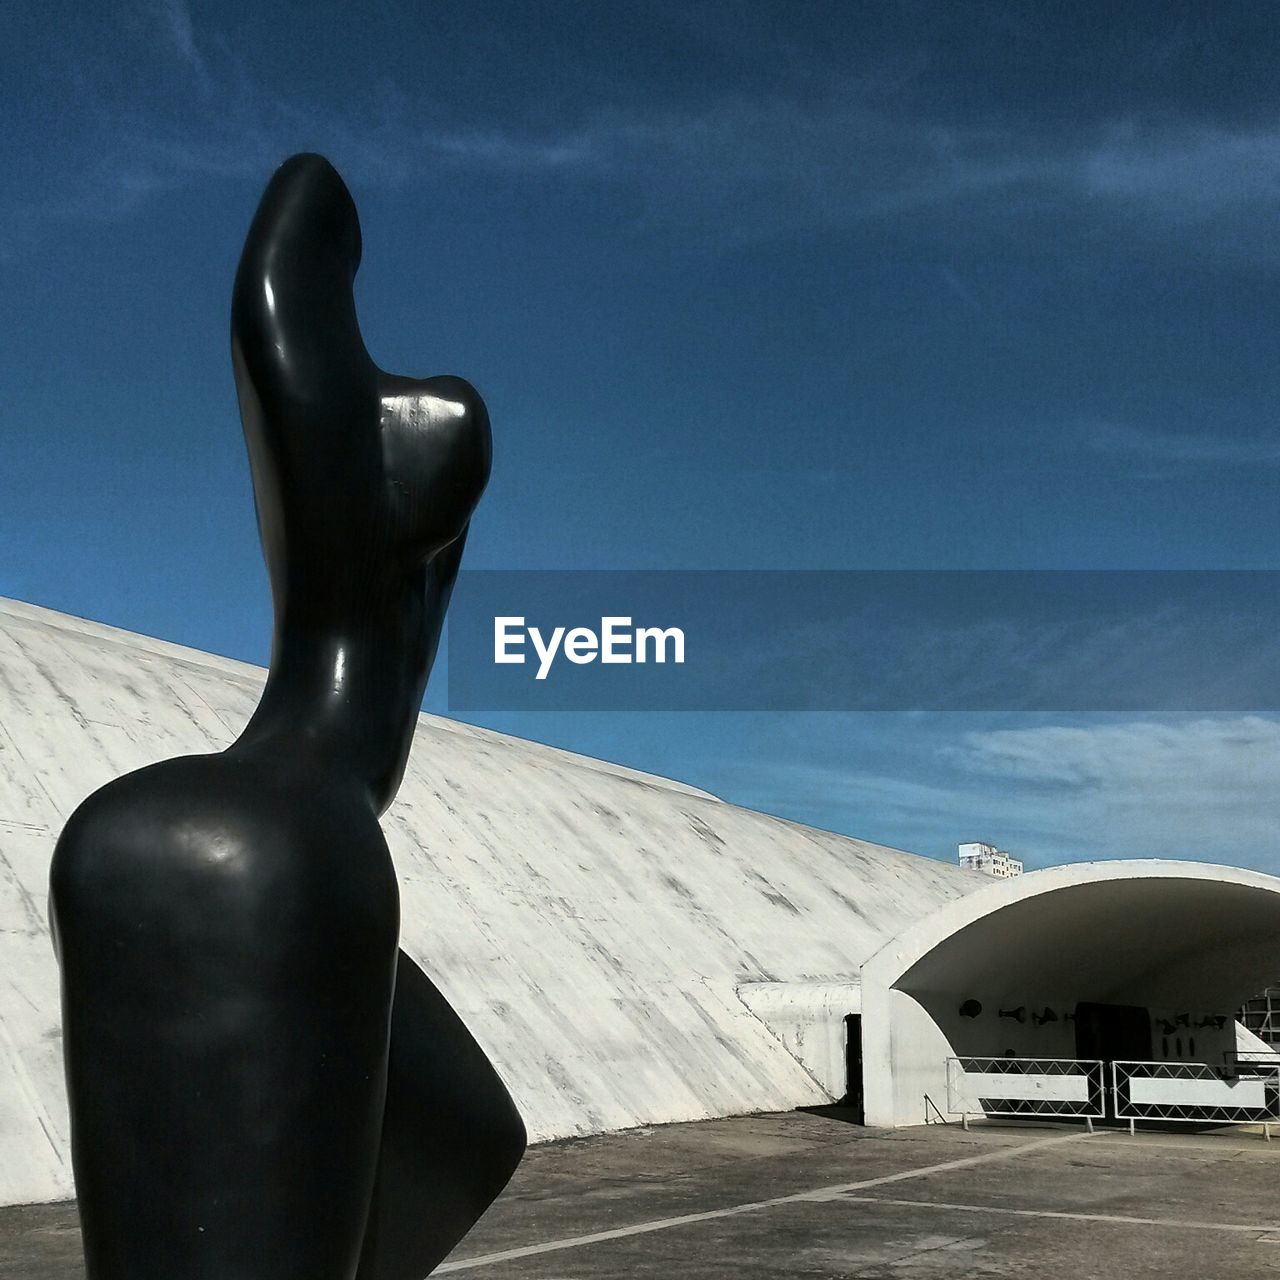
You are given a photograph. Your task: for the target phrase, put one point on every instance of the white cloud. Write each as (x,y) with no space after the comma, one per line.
(1202,789)
(1184,171)
(764,164)
(1180,446)
(175,18)
(1218,754)
(1198,788)
(740,166)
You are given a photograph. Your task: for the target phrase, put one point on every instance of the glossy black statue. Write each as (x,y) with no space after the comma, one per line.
(262,1087)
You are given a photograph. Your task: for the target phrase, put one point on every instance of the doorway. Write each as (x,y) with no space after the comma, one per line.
(1111,1033)
(853,1066)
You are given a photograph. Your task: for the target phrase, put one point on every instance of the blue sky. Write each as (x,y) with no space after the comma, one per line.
(745,285)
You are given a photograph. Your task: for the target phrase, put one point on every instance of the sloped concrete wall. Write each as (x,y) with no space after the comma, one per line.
(591,924)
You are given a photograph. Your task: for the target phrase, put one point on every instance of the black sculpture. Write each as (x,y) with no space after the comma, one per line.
(261,1085)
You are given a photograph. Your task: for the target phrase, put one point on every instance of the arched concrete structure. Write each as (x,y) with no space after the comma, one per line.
(593,926)
(1185,941)
(627,949)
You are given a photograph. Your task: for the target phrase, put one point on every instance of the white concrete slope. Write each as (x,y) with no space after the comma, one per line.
(591,924)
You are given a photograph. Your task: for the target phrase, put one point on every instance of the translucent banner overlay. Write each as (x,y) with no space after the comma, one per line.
(1000,640)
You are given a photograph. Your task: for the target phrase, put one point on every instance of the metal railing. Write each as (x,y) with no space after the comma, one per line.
(1261,1015)
(1245,1091)
(1066,1087)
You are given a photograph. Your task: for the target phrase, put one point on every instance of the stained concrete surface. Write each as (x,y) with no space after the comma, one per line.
(810,1195)
(590,924)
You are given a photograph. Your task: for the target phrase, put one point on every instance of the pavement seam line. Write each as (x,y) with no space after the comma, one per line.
(816,1195)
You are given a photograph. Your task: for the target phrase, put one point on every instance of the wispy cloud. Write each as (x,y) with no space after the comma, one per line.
(1184,172)
(221,124)
(842,160)
(1222,758)
(1202,789)
(740,165)
(1179,446)
(174,17)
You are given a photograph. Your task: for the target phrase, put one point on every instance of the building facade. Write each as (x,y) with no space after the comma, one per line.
(989,860)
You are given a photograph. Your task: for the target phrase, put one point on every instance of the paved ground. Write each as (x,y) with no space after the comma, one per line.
(809,1195)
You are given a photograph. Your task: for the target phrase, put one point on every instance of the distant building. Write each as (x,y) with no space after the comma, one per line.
(989,860)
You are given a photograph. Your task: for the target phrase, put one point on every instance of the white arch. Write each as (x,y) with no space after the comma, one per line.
(1148,933)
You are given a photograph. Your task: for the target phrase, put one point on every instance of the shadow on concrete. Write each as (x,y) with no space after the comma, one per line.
(835,1111)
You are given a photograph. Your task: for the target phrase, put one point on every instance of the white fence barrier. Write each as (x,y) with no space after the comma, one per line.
(1243,1092)
(1025,1087)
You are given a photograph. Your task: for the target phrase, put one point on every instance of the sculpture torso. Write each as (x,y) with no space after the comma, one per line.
(227,925)
(363,481)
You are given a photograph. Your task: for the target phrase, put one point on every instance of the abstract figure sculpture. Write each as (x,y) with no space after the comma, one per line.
(262,1087)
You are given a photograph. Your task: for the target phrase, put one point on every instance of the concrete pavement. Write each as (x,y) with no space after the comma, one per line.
(810,1195)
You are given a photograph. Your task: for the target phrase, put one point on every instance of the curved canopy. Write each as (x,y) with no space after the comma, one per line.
(1152,933)
(1189,939)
